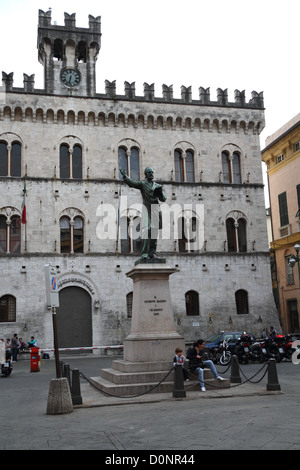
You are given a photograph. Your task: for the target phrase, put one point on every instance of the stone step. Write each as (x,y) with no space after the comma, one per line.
(128,366)
(118,377)
(117,383)
(133,389)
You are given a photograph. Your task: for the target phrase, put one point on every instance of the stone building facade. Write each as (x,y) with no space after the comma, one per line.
(65,145)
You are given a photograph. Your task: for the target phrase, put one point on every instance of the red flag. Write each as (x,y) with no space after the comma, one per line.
(23,208)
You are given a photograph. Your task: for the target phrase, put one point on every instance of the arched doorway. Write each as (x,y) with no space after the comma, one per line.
(74,318)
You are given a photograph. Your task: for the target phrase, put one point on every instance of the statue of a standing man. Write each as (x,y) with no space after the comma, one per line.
(151,222)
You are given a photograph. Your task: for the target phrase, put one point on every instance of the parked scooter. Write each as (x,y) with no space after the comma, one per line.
(6,367)
(242,348)
(258,351)
(273,350)
(264,351)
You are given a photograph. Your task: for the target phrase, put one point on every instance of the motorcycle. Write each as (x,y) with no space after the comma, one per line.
(220,354)
(258,351)
(279,340)
(6,367)
(242,348)
(264,351)
(225,354)
(273,350)
(288,349)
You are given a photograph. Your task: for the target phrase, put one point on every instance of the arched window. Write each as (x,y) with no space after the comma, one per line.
(78,235)
(236,168)
(3,159)
(15,162)
(71,235)
(231,168)
(122,157)
(70,162)
(77,162)
(241,301)
(58,49)
(192,303)
(184,166)
(129,160)
(65,235)
(7,308)
(226,168)
(231,236)
(10,159)
(134,164)
(130,235)
(129,300)
(64,162)
(242,236)
(82,51)
(187,235)
(15,235)
(236,235)
(3,234)
(10,234)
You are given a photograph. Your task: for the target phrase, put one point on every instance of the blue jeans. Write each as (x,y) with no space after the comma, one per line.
(209,365)
(14,354)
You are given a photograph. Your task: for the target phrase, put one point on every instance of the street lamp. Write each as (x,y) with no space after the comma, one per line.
(295,259)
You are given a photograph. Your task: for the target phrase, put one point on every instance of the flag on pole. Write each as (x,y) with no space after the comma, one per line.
(23,208)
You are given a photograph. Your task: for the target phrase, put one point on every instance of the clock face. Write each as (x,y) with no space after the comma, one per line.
(70,77)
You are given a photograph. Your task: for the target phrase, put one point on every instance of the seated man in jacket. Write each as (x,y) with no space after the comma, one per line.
(198,364)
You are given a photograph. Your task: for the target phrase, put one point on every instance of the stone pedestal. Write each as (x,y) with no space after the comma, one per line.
(153,336)
(150,347)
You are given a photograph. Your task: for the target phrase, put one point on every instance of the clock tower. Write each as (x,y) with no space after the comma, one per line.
(69,55)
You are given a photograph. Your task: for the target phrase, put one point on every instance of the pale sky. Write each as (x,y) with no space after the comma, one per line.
(217,44)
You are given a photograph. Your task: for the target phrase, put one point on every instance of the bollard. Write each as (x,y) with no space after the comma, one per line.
(235,371)
(66,373)
(273,383)
(59,397)
(178,390)
(75,389)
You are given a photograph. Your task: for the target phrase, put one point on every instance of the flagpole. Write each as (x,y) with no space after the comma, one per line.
(25,191)
(118,219)
(23,214)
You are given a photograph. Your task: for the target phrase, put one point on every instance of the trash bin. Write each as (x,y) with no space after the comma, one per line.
(35,360)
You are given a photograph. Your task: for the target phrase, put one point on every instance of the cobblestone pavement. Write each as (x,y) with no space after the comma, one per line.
(243,417)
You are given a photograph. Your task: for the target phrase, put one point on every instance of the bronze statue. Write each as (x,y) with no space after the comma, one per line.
(151,222)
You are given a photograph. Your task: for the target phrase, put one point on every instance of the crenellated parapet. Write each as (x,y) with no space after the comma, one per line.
(255,102)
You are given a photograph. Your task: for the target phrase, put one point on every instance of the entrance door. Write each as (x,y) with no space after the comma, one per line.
(293,314)
(74,318)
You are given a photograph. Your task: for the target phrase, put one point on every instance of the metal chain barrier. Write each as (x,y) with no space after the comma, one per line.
(236,385)
(127,396)
(249,380)
(265,366)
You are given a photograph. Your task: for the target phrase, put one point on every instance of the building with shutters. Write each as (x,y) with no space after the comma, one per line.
(64,146)
(282,157)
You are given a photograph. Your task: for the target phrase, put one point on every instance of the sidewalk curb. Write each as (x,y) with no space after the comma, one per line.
(93,398)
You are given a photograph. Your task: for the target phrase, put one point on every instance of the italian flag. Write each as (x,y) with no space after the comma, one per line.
(23,208)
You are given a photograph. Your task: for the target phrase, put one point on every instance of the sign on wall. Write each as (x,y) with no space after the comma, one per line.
(51,286)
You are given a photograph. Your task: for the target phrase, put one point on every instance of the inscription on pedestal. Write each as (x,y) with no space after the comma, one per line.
(156,305)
